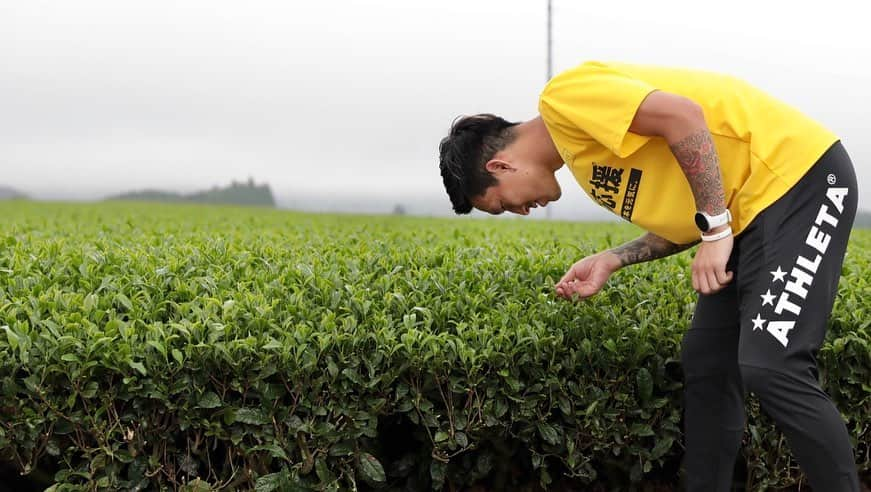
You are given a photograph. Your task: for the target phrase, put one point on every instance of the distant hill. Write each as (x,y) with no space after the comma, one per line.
(247,193)
(7,193)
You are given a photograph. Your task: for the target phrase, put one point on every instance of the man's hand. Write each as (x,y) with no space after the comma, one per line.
(709,266)
(587,277)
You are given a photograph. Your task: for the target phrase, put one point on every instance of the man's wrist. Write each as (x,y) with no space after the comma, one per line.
(613,260)
(717,229)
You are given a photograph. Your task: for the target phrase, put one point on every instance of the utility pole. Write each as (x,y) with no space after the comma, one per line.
(549,62)
(549,41)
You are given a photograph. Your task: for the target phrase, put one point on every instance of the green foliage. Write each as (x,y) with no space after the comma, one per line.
(202,348)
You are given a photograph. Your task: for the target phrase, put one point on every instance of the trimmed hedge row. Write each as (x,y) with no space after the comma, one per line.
(195,348)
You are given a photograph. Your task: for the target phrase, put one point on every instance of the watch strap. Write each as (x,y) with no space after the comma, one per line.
(716,237)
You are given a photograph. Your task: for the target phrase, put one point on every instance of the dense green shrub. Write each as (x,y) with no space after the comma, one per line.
(149,346)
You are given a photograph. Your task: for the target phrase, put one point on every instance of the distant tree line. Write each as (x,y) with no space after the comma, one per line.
(244,193)
(7,193)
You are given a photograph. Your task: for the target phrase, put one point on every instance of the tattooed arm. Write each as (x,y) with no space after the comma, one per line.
(647,247)
(682,123)
(698,159)
(587,276)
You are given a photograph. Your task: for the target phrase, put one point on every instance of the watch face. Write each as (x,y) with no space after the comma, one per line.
(702,222)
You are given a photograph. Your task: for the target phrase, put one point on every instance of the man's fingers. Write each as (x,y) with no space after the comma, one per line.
(713,282)
(717,280)
(710,280)
(704,284)
(564,290)
(581,289)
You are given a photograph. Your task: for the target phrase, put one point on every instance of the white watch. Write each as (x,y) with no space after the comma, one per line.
(707,222)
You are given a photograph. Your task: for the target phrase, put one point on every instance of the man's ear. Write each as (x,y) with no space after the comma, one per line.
(498,166)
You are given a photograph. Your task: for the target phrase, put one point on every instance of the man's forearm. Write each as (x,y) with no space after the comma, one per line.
(647,247)
(698,159)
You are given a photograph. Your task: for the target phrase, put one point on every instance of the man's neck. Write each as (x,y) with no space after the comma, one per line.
(536,143)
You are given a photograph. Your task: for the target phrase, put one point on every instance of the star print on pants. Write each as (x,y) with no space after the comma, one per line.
(758,322)
(767,298)
(778,274)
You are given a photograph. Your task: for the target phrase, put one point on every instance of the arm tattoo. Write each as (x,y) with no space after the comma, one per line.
(647,247)
(697,157)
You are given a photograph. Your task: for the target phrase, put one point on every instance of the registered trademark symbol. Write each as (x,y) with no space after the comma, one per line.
(832,179)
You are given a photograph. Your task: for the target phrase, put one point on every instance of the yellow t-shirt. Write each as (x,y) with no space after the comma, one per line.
(764,145)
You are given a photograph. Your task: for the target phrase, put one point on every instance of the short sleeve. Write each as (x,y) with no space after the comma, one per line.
(598,100)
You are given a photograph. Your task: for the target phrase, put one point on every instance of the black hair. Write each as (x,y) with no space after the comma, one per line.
(470,144)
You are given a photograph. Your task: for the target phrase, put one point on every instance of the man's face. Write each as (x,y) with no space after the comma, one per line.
(519,188)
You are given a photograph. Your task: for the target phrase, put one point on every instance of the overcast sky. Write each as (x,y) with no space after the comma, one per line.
(351,98)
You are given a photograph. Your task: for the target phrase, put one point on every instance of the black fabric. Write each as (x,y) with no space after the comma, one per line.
(762,334)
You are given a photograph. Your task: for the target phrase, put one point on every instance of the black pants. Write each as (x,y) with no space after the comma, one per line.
(762,334)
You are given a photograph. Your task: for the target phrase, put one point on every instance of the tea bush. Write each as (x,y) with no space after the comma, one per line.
(196,348)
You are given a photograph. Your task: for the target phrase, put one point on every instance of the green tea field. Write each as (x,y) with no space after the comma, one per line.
(184,347)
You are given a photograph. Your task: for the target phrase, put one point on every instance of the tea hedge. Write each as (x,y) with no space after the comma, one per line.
(197,348)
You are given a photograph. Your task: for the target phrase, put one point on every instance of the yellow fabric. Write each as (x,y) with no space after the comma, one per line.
(764,145)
